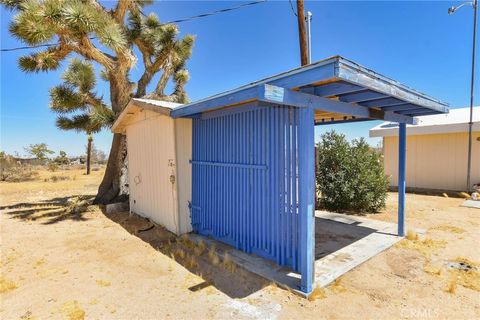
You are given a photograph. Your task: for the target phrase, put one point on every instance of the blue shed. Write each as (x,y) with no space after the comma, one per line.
(253,153)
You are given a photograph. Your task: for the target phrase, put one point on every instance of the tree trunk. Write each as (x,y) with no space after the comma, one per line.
(110,186)
(89,152)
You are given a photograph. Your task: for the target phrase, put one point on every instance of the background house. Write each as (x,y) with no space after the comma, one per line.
(436,150)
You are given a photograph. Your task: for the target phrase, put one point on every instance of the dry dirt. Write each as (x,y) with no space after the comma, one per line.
(95,266)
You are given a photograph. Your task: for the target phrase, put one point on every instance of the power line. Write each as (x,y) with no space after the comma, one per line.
(291,7)
(203,15)
(217,12)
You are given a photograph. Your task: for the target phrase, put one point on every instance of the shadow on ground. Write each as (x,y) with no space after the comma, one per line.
(331,236)
(197,258)
(50,211)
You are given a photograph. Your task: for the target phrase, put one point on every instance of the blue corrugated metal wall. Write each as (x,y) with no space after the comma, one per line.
(245,185)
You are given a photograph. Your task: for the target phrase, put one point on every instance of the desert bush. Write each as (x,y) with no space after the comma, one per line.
(17,174)
(349,176)
(52,166)
(56,178)
(62,158)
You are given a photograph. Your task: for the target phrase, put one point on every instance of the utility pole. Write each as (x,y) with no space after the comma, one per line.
(301,32)
(452,10)
(472,90)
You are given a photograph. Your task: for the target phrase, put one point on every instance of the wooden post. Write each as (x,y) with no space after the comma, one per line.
(306,195)
(402,150)
(301,32)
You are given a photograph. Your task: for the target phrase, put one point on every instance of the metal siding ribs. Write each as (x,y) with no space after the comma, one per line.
(244,176)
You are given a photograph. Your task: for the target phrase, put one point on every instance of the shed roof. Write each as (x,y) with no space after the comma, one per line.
(335,78)
(455,121)
(137,104)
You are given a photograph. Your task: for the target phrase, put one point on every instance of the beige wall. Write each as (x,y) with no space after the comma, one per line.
(183,145)
(434,161)
(152,160)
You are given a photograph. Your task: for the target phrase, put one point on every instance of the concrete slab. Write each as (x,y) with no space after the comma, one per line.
(471,204)
(342,242)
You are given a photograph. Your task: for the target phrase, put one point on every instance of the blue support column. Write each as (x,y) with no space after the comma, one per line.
(402,153)
(306,194)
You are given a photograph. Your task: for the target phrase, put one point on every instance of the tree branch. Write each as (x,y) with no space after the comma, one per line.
(89,50)
(151,68)
(121,10)
(162,82)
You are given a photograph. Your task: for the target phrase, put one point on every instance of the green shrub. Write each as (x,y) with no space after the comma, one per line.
(349,176)
(52,166)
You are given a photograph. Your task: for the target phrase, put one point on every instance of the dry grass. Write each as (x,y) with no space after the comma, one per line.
(6,285)
(464,195)
(337,286)
(448,228)
(103,283)
(452,285)
(73,311)
(433,270)
(467,261)
(317,293)
(467,278)
(191,262)
(199,248)
(185,240)
(411,235)
(229,264)
(180,253)
(425,247)
(212,256)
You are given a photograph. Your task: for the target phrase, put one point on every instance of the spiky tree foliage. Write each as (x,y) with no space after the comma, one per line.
(106,37)
(77,105)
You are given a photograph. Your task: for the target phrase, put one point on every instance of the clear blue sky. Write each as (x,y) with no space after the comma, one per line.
(416,43)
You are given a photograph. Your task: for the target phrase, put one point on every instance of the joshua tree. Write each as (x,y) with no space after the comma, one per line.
(106,36)
(75,96)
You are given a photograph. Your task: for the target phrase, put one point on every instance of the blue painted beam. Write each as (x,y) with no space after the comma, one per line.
(233,110)
(419,111)
(362,96)
(384,102)
(306,189)
(238,97)
(352,72)
(402,155)
(327,122)
(282,96)
(332,76)
(334,89)
(400,107)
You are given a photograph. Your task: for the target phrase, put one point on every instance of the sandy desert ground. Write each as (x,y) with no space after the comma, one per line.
(58,264)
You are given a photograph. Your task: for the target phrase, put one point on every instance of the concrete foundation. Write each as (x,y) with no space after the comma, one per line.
(342,242)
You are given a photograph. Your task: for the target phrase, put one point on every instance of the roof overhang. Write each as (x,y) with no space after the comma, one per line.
(457,121)
(338,89)
(138,105)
